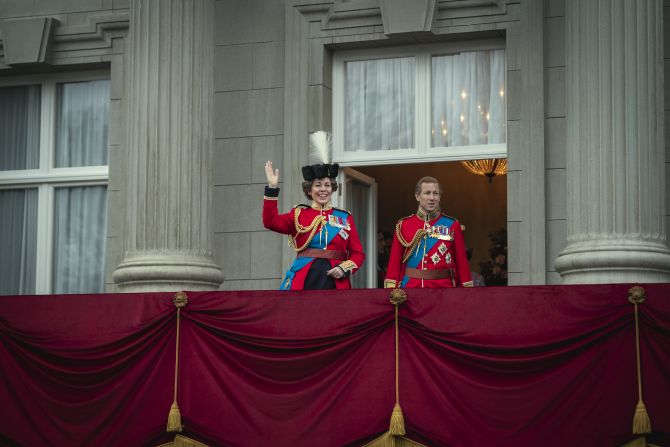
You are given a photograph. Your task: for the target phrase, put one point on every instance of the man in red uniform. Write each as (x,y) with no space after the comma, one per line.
(428,250)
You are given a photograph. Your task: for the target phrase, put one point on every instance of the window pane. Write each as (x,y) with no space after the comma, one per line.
(82,110)
(379,108)
(468,93)
(18,241)
(80,227)
(19,127)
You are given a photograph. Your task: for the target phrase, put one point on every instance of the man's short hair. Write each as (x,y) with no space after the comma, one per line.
(427,179)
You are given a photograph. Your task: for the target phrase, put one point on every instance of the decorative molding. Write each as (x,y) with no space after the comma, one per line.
(441,14)
(403,17)
(450,9)
(26,41)
(96,33)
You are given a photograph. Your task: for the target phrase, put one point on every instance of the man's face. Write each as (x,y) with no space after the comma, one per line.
(429,197)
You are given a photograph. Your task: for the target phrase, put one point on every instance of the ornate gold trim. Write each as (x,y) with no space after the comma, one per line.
(347,265)
(411,245)
(390,283)
(300,229)
(270,198)
(317,207)
(428,216)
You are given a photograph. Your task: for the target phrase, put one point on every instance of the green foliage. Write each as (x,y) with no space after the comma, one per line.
(494,270)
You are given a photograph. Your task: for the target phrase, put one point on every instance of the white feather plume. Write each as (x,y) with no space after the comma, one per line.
(319,148)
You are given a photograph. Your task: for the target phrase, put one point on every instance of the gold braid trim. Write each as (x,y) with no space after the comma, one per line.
(301,229)
(347,265)
(411,245)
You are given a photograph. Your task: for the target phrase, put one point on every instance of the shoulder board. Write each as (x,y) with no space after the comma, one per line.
(450,217)
(344,211)
(406,217)
(302,205)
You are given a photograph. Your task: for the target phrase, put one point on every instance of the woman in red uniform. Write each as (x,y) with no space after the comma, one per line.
(325,238)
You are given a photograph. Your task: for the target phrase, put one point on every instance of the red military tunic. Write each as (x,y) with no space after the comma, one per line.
(434,245)
(316,228)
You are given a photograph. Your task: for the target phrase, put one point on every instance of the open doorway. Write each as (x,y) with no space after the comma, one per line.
(479,205)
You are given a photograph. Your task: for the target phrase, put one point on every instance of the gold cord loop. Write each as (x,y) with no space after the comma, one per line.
(411,245)
(312,228)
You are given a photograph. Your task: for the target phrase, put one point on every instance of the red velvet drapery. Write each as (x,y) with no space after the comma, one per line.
(515,366)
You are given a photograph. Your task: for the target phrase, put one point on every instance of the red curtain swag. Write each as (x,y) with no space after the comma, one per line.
(512,366)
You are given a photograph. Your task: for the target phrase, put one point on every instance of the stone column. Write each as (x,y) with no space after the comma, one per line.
(615,154)
(169,142)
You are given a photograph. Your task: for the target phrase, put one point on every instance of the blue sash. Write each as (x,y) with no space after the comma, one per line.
(316,242)
(429,242)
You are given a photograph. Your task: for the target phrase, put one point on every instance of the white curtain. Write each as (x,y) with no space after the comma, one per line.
(358,194)
(18,239)
(81,139)
(80,228)
(379,109)
(19,127)
(468,99)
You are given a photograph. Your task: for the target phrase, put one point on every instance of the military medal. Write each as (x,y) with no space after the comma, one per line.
(441,232)
(442,248)
(435,258)
(344,234)
(338,222)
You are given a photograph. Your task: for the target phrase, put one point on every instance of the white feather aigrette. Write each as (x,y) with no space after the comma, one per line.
(320,148)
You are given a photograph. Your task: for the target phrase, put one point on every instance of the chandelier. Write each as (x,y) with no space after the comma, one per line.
(489,167)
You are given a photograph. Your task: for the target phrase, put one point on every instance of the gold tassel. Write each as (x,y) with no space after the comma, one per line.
(397,426)
(395,437)
(641,421)
(174,419)
(388,440)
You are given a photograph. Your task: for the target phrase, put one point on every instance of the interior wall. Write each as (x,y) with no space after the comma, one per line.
(479,205)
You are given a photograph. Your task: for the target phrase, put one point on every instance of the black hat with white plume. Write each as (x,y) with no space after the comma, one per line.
(319,158)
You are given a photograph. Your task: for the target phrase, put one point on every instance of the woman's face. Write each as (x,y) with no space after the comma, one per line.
(321,191)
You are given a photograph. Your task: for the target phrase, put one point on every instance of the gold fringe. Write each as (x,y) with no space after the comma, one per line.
(388,440)
(397,426)
(183,441)
(637,442)
(641,421)
(174,419)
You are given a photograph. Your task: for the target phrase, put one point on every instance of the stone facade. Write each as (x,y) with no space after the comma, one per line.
(272,84)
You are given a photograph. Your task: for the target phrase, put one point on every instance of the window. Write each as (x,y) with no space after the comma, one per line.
(53,184)
(425,103)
